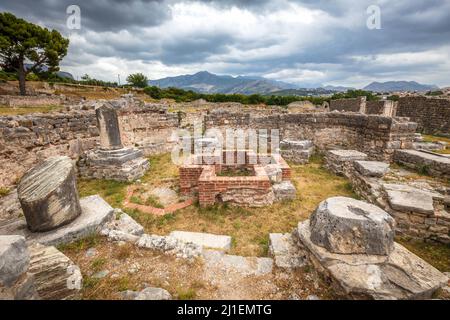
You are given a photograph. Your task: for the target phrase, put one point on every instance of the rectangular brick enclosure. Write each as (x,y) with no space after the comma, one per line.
(212,176)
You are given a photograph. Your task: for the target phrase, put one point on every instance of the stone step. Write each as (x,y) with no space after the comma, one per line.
(206,240)
(218,261)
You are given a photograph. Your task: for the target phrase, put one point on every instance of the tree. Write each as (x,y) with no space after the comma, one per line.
(137,80)
(24,42)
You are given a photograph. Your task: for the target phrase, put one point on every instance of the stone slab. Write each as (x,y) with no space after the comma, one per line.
(371,168)
(218,260)
(408,199)
(284,251)
(94,213)
(206,240)
(348,155)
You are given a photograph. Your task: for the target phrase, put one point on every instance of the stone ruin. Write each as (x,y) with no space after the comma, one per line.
(112,161)
(351,243)
(420,212)
(31,267)
(267,179)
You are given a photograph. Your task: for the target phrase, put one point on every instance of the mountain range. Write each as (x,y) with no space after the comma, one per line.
(206,82)
(391,86)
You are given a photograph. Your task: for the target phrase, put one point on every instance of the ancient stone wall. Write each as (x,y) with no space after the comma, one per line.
(431,114)
(149,128)
(28,139)
(348,105)
(376,136)
(381,107)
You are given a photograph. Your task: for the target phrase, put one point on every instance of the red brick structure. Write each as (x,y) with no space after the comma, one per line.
(254,189)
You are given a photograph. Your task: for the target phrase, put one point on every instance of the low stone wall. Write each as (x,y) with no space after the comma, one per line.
(377,136)
(30,101)
(431,114)
(28,139)
(149,128)
(425,162)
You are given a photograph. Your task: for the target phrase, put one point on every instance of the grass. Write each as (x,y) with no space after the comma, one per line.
(81,245)
(438,255)
(153,201)
(431,138)
(4,192)
(235,172)
(113,192)
(249,227)
(8,111)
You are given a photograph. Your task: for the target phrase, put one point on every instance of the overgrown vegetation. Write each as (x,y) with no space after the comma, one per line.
(180,95)
(4,192)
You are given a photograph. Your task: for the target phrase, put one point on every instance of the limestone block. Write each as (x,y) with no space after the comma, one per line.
(284,191)
(409,199)
(14,259)
(345,225)
(151,293)
(371,168)
(95,213)
(206,240)
(399,275)
(48,194)
(56,276)
(284,251)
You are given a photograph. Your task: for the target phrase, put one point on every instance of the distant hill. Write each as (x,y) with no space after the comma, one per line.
(338,88)
(206,82)
(44,68)
(302,92)
(391,86)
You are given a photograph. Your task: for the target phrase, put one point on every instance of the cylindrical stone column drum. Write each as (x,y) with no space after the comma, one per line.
(108,125)
(48,194)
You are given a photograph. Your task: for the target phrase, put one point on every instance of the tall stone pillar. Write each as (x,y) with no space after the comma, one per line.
(108,125)
(112,160)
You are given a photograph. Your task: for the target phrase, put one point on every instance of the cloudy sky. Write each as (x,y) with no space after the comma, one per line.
(306,42)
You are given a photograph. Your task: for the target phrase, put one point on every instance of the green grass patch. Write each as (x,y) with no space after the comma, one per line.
(80,245)
(154,202)
(4,192)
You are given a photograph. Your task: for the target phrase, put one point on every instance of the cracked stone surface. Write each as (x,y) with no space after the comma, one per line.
(345,225)
(406,198)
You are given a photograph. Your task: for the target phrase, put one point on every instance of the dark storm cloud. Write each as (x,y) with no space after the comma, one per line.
(98,15)
(151,31)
